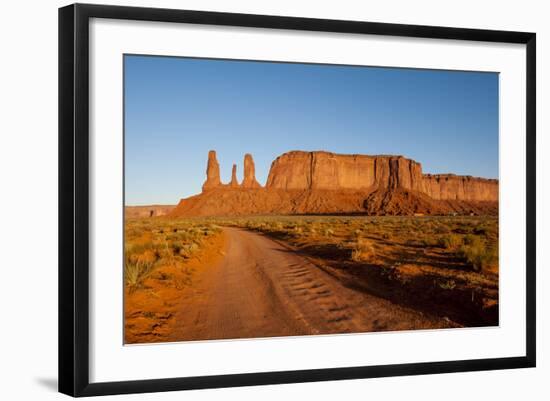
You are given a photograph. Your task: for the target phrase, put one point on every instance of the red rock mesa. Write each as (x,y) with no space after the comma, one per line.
(328,183)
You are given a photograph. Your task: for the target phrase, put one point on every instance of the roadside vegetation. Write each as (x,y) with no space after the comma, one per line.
(161,258)
(446,265)
(474,240)
(152,243)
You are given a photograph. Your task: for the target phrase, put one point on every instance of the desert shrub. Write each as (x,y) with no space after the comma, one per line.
(479,255)
(195,232)
(472,240)
(184,236)
(312,230)
(176,246)
(136,248)
(163,251)
(447,284)
(252,225)
(211,229)
(187,250)
(450,241)
(135,271)
(363,251)
(481,230)
(328,232)
(174,237)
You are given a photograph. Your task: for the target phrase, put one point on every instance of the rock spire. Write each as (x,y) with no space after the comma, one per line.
(212,172)
(234,183)
(249,180)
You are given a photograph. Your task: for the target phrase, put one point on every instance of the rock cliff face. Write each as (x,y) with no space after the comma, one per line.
(329,171)
(324,183)
(450,186)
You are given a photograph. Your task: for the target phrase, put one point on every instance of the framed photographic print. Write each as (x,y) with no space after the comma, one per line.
(250,199)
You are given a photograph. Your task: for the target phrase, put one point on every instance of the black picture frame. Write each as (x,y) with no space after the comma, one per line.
(74,198)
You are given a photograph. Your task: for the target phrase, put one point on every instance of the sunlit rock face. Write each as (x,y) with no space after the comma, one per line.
(249,180)
(234,183)
(327,183)
(324,170)
(212,172)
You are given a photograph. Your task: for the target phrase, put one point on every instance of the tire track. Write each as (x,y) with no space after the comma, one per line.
(264,289)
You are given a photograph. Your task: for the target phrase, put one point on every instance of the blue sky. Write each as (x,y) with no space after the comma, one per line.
(177,109)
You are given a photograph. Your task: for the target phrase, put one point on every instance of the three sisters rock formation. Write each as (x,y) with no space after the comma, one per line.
(328,183)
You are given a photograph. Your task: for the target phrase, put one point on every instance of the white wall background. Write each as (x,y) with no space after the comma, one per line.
(28,199)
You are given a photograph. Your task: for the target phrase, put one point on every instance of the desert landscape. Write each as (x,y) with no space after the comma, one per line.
(331,244)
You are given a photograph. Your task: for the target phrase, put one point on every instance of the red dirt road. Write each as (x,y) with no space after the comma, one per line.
(263,289)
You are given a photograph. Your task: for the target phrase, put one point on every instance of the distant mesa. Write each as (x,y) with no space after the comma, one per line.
(133,212)
(327,183)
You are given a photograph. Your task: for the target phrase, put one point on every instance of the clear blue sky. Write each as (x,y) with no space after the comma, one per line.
(177,109)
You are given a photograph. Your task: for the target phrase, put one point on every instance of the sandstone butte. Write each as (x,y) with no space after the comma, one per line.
(327,183)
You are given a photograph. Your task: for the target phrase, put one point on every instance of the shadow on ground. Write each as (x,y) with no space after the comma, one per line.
(49,383)
(462,303)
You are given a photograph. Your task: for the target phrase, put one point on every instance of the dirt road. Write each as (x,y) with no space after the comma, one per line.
(263,289)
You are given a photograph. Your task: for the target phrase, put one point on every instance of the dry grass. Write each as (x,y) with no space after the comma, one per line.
(479,253)
(363,251)
(150,243)
(450,241)
(427,255)
(442,265)
(444,262)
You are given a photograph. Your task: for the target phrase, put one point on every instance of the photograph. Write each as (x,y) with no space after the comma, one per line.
(277,199)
